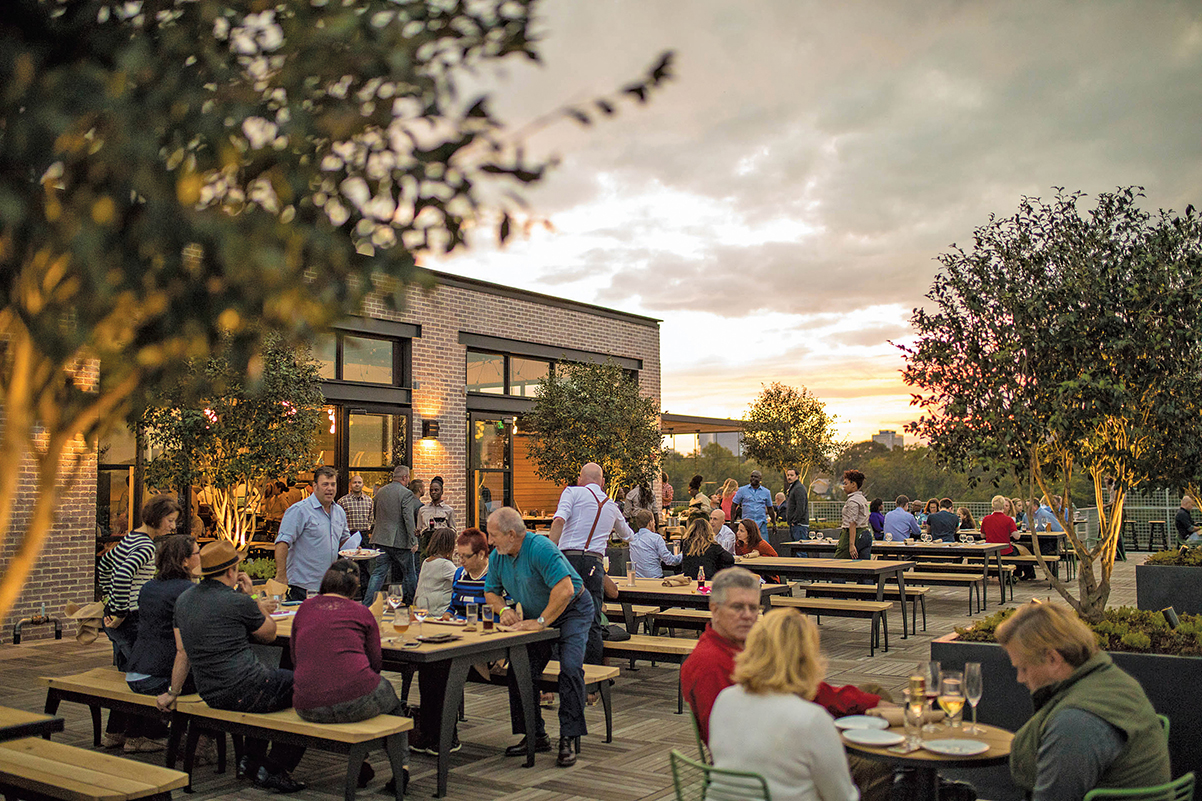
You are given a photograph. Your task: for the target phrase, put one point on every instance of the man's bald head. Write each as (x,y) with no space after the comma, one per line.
(592,473)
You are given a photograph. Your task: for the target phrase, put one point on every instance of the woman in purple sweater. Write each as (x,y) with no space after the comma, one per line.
(336,653)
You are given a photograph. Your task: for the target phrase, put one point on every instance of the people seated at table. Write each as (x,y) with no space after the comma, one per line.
(724,535)
(154,654)
(999,527)
(700,551)
(775,679)
(1187,532)
(931,507)
(467,585)
(535,573)
(749,540)
(648,551)
(216,621)
(337,660)
(967,523)
(121,574)
(437,576)
(944,524)
(876,519)
(1093,725)
(900,525)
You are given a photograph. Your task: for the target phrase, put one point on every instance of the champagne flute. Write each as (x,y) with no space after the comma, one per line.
(932,674)
(974,687)
(951,696)
(400,621)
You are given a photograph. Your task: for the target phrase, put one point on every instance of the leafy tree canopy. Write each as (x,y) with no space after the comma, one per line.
(172,171)
(788,427)
(594,413)
(1066,340)
(715,463)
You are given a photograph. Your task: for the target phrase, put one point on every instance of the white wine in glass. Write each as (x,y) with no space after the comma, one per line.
(951,697)
(974,688)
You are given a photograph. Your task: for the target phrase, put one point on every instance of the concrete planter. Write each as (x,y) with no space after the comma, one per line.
(1158,586)
(1169,681)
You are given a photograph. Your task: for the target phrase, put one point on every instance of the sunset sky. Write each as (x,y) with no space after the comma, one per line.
(780,204)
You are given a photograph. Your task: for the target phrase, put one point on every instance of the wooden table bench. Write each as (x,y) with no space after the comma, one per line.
(33,768)
(915,596)
(1004,572)
(974,582)
(845,607)
(105,688)
(383,732)
(639,612)
(692,619)
(654,649)
(597,679)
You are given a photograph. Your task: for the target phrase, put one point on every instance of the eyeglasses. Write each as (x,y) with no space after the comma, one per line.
(743,608)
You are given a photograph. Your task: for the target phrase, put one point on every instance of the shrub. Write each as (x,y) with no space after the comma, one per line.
(1124,628)
(259,568)
(1177,557)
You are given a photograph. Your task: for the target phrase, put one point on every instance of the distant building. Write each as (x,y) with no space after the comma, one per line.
(889,438)
(731,440)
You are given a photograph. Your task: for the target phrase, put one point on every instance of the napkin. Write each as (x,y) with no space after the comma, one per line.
(273,587)
(377,607)
(352,543)
(896,715)
(677,581)
(91,620)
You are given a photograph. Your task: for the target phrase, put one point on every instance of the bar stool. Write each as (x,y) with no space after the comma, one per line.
(1158,532)
(1130,537)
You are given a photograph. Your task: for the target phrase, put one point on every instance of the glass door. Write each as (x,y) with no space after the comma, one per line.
(490,464)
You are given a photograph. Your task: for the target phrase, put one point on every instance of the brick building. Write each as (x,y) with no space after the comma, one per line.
(440,386)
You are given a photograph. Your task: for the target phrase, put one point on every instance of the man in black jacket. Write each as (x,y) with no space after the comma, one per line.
(797,507)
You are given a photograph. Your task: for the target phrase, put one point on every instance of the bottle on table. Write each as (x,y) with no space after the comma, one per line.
(701,578)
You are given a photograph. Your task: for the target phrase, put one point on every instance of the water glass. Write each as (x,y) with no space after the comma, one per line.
(912,714)
(486,617)
(629,575)
(974,687)
(472,616)
(932,673)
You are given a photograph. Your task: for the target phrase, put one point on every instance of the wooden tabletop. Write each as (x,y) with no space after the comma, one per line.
(656,586)
(880,546)
(793,564)
(997,739)
(17,723)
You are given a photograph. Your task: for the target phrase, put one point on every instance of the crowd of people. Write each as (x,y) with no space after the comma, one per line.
(184,619)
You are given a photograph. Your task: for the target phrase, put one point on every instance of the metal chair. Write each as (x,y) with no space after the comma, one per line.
(701,747)
(1180,790)
(1164,722)
(697,781)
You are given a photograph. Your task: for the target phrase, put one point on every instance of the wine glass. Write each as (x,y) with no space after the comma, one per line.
(395,596)
(974,687)
(419,614)
(932,673)
(951,696)
(400,621)
(912,714)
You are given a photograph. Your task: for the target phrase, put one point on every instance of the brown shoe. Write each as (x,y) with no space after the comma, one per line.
(567,756)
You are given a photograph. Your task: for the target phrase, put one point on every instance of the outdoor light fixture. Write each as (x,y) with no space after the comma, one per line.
(429,429)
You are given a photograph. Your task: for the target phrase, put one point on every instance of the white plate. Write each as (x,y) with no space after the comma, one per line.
(956,747)
(360,553)
(873,737)
(861,722)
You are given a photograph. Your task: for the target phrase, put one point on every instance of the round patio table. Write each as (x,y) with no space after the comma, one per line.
(926,763)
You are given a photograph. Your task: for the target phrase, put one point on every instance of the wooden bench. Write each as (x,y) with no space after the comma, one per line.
(614,612)
(597,679)
(34,768)
(973,569)
(106,688)
(383,732)
(676,618)
(974,582)
(915,595)
(1052,560)
(844,607)
(655,649)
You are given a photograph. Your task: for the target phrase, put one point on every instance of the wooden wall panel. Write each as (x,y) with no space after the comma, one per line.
(529,491)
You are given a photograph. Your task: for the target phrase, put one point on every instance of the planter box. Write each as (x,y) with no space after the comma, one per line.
(1169,681)
(1158,586)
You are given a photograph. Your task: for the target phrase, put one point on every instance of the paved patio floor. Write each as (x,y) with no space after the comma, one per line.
(634,766)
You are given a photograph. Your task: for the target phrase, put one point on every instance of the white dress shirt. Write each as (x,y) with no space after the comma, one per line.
(578,509)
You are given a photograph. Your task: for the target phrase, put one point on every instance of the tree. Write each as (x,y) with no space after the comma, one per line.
(1065,341)
(236,440)
(594,413)
(716,463)
(788,427)
(171,171)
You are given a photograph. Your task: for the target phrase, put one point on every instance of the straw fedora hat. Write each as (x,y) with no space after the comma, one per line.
(218,557)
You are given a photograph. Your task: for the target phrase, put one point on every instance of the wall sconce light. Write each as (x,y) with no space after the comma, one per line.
(429,429)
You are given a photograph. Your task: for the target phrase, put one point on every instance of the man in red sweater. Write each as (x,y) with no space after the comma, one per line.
(735,607)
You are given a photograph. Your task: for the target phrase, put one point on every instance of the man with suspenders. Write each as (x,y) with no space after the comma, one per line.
(581,528)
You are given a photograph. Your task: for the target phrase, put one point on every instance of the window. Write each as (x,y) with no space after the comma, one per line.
(486,373)
(359,359)
(325,351)
(524,375)
(500,374)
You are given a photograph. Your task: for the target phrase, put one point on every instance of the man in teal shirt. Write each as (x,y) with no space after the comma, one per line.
(534,572)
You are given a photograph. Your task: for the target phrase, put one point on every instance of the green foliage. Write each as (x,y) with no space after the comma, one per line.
(715,463)
(1122,628)
(259,568)
(1067,340)
(594,413)
(788,427)
(1179,557)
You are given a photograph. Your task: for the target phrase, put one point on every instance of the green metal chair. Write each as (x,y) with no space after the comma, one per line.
(697,781)
(1180,790)
(1164,721)
(701,748)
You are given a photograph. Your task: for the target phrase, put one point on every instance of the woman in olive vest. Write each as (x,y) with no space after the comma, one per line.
(1093,726)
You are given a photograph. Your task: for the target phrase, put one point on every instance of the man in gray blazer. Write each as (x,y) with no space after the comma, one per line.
(395,534)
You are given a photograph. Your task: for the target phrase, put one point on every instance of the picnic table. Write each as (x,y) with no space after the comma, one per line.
(17,723)
(471,647)
(973,551)
(651,591)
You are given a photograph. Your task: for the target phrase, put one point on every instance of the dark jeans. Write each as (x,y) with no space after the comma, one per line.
(432,683)
(122,639)
(271,694)
(380,701)
(573,627)
(798,531)
(405,561)
(152,685)
(592,572)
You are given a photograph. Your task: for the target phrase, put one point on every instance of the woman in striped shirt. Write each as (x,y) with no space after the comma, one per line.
(467,587)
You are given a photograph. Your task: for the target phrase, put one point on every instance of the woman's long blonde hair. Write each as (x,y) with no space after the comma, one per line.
(729,488)
(782,656)
(698,537)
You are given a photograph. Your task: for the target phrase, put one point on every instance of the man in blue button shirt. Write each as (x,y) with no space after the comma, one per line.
(754,502)
(310,535)
(900,524)
(648,552)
